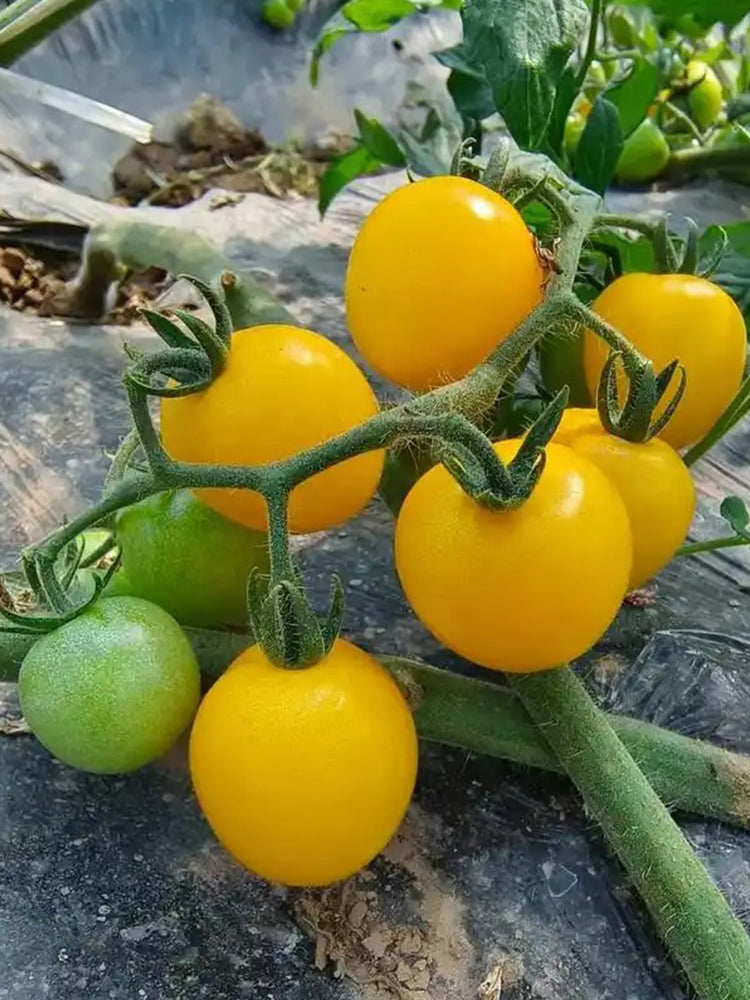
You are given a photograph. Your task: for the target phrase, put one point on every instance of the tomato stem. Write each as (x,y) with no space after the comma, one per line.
(691,914)
(728,542)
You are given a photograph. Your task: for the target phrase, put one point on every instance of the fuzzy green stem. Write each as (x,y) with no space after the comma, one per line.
(697,160)
(488,718)
(632,358)
(278,536)
(728,542)
(688,909)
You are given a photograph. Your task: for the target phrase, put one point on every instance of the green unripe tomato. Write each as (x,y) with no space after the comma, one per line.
(188,559)
(113,689)
(644,155)
(119,585)
(704,96)
(622,30)
(278,14)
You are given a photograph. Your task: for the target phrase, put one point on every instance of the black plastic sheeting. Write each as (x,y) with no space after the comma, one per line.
(153,58)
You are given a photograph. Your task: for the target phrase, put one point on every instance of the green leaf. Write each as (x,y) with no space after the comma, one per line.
(522,49)
(378,141)
(341,171)
(467,85)
(633,95)
(369,16)
(734,512)
(600,146)
(33,23)
(738,107)
(733,270)
(707,12)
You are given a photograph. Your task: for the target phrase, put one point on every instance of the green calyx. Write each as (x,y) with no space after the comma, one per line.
(634,419)
(190,363)
(285,625)
(492,483)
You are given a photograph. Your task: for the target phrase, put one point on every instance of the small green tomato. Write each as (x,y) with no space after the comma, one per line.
(644,155)
(112,689)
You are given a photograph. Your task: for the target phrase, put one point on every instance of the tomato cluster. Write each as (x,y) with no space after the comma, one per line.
(305,774)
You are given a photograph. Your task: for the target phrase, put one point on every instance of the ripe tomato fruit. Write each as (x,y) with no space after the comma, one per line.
(668,316)
(188,559)
(283,389)
(705,96)
(112,689)
(652,481)
(517,590)
(304,775)
(440,273)
(644,155)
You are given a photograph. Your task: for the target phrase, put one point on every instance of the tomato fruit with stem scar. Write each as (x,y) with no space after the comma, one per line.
(523,589)
(304,774)
(283,389)
(112,689)
(440,273)
(683,317)
(652,481)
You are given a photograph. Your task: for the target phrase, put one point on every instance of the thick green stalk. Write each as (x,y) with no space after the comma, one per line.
(588,56)
(113,245)
(699,159)
(688,909)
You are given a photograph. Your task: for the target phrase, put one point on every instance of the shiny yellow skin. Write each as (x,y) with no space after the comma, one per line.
(519,590)
(705,96)
(304,775)
(668,316)
(283,389)
(652,480)
(440,273)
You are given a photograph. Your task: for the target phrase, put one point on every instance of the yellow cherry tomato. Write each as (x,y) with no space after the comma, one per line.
(440,273)
(304,775)
(517,590)
(283,389)
(668,316)
(652,481)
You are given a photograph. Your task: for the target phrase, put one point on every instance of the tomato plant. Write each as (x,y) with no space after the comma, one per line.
(652,481)
(283,389)
(304,775)
(490,584)
(188,559)
(425,298)
(668,316)
(113,689)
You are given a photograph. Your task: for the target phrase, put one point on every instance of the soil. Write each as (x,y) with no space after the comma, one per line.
(419,950)
(36,280)
(210,148)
